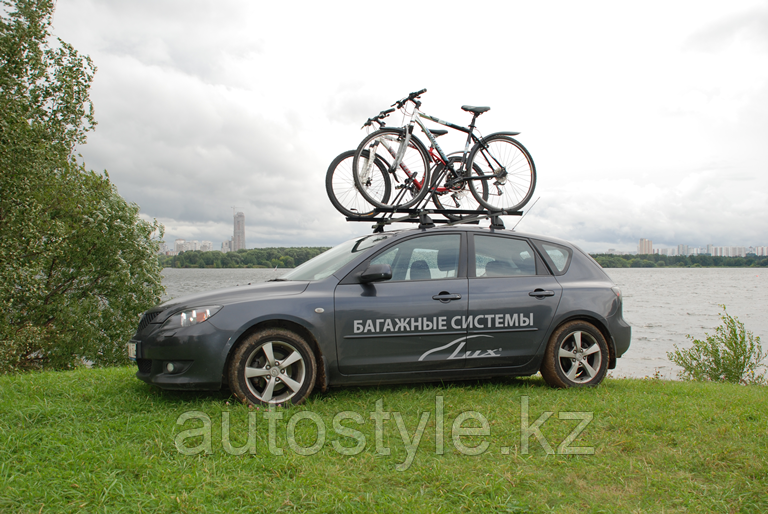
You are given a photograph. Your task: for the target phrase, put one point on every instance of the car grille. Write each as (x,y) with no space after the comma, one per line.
(145,365)
(146,320)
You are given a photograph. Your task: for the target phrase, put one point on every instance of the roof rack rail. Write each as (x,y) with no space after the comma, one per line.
(425,220)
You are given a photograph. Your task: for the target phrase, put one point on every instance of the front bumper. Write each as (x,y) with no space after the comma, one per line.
(191,358)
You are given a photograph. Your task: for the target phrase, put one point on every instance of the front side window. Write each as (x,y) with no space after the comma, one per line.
(329,262)
(423,258)
(503,257)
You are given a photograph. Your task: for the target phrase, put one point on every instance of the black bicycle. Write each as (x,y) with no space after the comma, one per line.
(497,170)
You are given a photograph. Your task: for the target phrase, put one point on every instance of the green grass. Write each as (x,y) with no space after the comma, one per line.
(102,441)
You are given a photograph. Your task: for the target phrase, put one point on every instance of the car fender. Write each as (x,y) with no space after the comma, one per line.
(313,311)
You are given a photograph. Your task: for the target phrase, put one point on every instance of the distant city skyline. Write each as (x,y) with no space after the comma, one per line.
(645,247)
(236,242)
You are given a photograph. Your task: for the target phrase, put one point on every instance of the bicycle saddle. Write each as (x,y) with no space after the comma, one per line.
(438,132)
(476,110)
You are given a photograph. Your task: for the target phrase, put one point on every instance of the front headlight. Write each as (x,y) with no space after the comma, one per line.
(190,317)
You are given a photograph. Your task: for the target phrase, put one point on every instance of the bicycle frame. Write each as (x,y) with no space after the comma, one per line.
(441,157)
(508,176)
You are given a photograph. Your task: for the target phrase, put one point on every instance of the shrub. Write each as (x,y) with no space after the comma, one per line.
(733,354)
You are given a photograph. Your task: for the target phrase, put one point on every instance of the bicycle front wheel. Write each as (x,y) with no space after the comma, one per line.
(407,166)
(508,170)
(342,191)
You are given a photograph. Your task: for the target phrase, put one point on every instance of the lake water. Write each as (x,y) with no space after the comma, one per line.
(661,304)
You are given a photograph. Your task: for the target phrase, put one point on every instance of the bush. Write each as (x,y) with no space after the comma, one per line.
(733,354)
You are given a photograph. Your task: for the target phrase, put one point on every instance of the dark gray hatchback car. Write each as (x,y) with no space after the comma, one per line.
(403,306)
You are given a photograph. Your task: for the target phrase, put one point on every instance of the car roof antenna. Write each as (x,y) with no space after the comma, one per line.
(526,212)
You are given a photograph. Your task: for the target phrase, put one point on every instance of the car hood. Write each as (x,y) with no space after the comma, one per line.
(230,295)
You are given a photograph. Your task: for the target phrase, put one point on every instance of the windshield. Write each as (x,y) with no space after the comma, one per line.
(327,263)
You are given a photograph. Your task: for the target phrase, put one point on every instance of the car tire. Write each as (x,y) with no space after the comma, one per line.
(273,366)
(576,356)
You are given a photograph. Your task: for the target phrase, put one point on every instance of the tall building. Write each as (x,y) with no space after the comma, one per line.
(645,247)
(238,241)
(682,249)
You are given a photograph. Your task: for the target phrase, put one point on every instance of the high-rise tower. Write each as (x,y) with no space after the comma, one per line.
(238,241)
(645,247)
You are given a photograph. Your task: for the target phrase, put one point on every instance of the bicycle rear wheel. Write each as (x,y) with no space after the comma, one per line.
(407,166)
(456,196)
(508,170)
(341,189)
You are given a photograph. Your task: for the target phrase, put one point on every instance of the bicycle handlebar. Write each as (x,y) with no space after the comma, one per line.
(410,98)
(380,116)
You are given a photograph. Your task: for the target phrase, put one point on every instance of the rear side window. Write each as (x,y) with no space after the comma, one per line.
(559,256)
(503,257)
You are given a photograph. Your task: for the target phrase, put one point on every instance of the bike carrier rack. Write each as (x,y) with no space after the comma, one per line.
(424,219)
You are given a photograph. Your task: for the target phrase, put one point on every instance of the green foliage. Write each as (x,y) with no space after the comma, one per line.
(678,261)
(733,354)
(253,258)
(76,261)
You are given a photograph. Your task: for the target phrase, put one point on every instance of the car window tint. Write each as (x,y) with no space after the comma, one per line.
(558,254)
(423,258)
(503,257)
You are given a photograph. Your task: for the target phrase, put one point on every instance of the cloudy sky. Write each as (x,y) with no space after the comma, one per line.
(645,119)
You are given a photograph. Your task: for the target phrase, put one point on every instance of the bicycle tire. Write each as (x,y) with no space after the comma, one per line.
(460,195)
(512,174)
(384,145)
(342,191)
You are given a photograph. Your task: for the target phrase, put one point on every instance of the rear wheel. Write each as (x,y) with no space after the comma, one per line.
(273,366)
(457,195)
(342,191)
(509,171)
(576,356)
(407,165)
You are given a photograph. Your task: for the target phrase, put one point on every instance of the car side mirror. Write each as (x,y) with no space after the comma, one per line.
(376,273)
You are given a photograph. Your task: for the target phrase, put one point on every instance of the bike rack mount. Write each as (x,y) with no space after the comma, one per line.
(425,220)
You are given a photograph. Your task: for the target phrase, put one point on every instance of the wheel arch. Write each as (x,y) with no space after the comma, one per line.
(599,325)
(298,329)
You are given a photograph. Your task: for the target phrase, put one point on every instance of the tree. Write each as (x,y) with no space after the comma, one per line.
(77,263)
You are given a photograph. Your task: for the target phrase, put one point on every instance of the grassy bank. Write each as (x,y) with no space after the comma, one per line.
(101,440)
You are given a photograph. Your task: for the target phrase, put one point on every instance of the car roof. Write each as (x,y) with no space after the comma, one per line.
(398,233)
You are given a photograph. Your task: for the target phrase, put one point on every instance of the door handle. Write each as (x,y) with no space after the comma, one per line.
(446,297)
(541,293)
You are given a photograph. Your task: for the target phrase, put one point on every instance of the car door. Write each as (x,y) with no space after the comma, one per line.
(512,301)
(411,322)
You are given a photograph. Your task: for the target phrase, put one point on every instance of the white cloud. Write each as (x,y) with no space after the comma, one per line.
(641,124)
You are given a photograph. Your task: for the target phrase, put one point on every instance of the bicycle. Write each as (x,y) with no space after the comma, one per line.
(457,194)
(498,170)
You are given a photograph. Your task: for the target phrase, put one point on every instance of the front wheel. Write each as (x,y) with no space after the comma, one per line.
(342,191)
(508,170)
(273,366)
(576,356)
(406,163)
